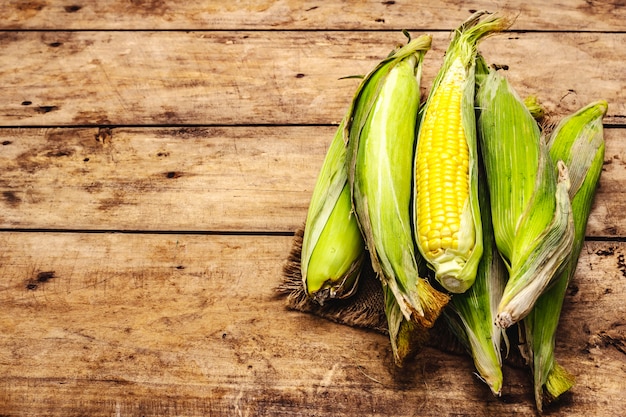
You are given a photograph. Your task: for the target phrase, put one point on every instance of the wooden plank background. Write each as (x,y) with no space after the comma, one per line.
(156,158)
(64,78)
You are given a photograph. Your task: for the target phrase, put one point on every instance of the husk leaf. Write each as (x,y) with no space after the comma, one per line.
(381,141)
(578,141)
(532,216)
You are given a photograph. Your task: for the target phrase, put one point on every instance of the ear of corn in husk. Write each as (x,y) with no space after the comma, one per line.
(531,210)
(579,142)
(381,132)
(472,314)
(333,249)
(446,210)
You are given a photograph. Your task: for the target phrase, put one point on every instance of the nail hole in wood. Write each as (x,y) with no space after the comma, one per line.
(73,8)
(46,109)
(173,174)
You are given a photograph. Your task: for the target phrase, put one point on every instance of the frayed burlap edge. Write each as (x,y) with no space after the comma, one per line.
(364,309)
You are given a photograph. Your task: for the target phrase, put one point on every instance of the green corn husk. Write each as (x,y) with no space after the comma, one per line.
(532,216)
(381,132)
(471,315)
(333,249)
(578,141)
(455,267)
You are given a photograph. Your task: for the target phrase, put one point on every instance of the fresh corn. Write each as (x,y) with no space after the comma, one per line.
(332,248)
(446,210)
(579,142)
(471,315)
(381,132)
(532,216)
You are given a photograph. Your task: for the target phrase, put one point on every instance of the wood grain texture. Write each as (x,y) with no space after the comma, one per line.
(201,179)
(277,77)
(144,324)
(235,179)
(590,15)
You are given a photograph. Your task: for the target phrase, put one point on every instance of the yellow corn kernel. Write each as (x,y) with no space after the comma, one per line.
(446,163)
(443,152)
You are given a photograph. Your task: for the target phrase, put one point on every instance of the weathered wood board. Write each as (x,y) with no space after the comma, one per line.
(167,324)
(576,15)
(82,78)
(157,156)
(242,178)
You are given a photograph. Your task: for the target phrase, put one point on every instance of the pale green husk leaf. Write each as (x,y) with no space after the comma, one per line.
(578,140)
(472,314)
(333,249)
(532,216)
(381,141)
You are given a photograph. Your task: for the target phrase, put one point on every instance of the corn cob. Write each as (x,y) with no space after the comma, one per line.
(446,210)
(332,248)
(532,216)
(578,141)
(381,132)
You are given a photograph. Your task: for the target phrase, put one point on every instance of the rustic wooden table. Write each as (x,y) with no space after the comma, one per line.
(157,157)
